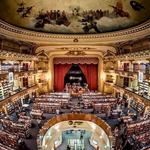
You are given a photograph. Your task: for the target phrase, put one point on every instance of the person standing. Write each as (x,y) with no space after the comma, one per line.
(68,147)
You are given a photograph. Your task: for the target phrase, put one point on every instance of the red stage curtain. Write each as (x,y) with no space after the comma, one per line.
(91,73)
(60,71)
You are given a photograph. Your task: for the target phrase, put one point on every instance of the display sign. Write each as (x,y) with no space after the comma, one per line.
(11,76)
(141,76)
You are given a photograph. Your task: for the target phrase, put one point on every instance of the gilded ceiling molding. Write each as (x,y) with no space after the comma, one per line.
(76,53)
(60,49)
(47,38)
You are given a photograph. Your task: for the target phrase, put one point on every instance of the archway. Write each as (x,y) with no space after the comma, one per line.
(75,75)
(89,68)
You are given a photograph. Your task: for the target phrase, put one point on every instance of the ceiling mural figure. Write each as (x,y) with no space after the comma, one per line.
(75,16)
(136,5)
(23,10)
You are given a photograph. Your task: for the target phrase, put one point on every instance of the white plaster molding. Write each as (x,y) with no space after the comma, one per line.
(47,38)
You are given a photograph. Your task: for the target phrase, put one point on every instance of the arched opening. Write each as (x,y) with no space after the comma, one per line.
(75,75)
(88,69)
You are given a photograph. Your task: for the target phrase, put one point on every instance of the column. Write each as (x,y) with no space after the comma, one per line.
(22,100)
(50,74)
(131,65)
(19,69)
(32,66)
(118,66)
(0,64)
(101,75)
(5,110)
(21,82)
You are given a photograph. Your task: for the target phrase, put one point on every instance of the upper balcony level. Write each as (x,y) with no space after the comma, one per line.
(145,71)
(145,99)
(17,94)
(17,70)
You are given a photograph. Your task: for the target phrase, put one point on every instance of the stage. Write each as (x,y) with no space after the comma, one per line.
(73,72)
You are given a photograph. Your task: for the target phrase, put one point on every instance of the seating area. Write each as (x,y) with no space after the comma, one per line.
(20,129)
(138,133)
(51,103)
(104,105)
(8,140)
(36,113)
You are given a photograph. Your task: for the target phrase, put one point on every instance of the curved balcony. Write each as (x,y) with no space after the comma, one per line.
(100,130)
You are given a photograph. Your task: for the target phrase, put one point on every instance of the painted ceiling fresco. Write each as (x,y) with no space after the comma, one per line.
(75,16)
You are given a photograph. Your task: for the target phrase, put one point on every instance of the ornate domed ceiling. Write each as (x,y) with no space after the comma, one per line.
(75,16)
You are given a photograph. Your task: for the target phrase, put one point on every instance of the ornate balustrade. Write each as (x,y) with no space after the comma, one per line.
(16,96)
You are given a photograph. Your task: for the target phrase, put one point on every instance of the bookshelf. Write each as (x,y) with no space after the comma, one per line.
(5,88)
(144,87)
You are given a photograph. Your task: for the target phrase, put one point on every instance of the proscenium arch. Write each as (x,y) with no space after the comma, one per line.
(54,51)
(100,69)
(76,117)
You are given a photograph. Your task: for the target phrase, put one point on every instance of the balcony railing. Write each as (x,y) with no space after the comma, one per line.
(136,49)
(18,94)
(145,98)
(5,71)
(145,71)
(109,69)
(75,117)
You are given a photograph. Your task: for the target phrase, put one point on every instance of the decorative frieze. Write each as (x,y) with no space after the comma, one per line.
(122,35)
(76,60)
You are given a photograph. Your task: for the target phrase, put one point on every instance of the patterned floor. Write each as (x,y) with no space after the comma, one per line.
(73,140)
